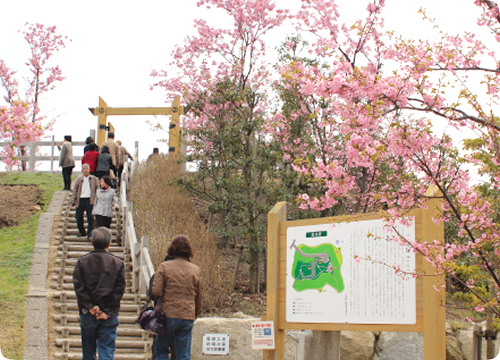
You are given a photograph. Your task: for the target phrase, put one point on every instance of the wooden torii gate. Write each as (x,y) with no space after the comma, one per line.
(176,110)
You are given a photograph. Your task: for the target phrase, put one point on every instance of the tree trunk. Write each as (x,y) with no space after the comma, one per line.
(237,266)
(254,270)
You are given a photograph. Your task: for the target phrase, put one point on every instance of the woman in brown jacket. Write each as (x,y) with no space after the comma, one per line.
(178,283)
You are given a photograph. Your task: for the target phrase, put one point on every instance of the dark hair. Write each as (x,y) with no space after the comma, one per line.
(107,179)
(105,149)
(92,146)
(111,135)
(156,150)
(67,138)
(89,140)
(180,247)
(101,238)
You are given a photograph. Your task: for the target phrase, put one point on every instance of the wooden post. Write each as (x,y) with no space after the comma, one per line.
(275,216)
(101,121)
(434,301)
(174,132)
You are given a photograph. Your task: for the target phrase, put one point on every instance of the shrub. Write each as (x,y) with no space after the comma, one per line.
(162,211)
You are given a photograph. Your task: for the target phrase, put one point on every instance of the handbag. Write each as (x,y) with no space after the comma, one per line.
(152,318)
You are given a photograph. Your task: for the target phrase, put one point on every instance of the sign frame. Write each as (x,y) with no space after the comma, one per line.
(430,303)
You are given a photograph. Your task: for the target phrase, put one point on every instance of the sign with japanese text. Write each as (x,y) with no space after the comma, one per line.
(216,344)
(263,335)
(354,272)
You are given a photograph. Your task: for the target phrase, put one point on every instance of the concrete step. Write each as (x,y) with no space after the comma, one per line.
(87,247)
(69,287)
(70,219)
(68,270)
(123,345)
(65,319)
(122,331)
(79,254)
(74,232)
(71,295)
(118,356)
(125,307)
(83,240)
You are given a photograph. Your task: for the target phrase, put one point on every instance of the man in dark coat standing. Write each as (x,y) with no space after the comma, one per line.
(99,281)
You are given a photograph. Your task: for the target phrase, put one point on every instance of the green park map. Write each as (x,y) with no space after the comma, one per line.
(315,267)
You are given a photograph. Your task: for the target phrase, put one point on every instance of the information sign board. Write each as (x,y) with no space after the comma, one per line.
(351,272)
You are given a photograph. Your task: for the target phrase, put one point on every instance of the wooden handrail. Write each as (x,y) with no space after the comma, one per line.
(142,265)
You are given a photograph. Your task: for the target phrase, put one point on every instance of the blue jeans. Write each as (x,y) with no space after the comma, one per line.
(98,335)
(178,331)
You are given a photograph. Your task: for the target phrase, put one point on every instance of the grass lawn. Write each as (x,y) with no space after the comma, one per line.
(16,248)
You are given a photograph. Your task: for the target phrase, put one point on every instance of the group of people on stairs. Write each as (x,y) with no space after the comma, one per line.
(99,276)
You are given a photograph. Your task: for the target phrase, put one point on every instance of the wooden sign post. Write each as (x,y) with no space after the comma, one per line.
(427,315)
(176,110)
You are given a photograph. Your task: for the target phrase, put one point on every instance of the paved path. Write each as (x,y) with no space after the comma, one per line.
(36,343)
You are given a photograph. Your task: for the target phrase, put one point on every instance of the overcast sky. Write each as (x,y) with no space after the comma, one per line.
(116,44)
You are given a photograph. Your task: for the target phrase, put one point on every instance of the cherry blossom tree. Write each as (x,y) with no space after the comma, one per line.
(368,114)
(223,76)
(20,117)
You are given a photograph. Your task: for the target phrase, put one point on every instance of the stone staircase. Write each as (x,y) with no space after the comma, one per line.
(132,343)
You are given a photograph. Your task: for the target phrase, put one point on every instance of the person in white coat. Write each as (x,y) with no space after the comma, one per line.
(105,201)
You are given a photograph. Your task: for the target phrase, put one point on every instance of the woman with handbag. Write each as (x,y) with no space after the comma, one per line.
(178,283)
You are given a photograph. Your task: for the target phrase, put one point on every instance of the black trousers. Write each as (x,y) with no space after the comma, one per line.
(66,173)
(102,221)
(84,206)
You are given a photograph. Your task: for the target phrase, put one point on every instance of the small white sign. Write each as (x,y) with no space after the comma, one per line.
(215,344)
(263,335)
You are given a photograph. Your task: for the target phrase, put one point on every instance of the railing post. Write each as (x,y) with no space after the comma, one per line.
(31,165)
(124,225)
(52,146)
(145,241)
(136,263)
(477,342)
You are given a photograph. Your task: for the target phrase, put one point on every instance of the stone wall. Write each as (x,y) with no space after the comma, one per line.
(354,345)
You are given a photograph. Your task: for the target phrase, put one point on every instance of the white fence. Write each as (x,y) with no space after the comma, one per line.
(43,151)
(142,265)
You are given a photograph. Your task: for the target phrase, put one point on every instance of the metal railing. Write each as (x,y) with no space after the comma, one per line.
(142,265)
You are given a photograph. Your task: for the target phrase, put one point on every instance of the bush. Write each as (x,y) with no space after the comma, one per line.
(162,211)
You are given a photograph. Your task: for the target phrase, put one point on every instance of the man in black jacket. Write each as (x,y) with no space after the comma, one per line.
(99,281)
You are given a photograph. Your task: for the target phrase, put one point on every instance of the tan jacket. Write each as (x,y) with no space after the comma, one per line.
(77,189)
(114,151)
(178,281)
(66,158)
(124,155)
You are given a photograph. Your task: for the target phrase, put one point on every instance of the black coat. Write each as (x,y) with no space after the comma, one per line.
(104,163)
(99,279)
